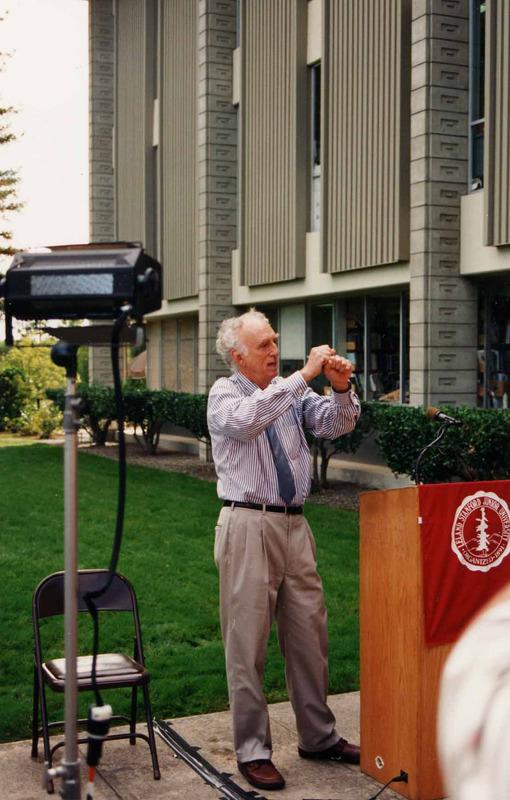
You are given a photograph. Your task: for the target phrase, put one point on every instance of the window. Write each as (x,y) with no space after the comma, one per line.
(384,349)
(292,338)
(355,313)
(476,93)
(271,312)
(315,147)
(377,341)
(320,331)
(321,325)
(494,348)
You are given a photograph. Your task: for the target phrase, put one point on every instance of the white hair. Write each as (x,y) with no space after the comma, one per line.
(228,335)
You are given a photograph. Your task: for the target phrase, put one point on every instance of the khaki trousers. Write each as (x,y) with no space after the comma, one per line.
(267,571)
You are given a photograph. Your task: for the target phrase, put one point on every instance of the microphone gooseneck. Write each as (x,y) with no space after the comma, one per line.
(446,422)
(439,416)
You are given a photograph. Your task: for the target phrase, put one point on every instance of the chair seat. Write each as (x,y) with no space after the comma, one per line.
(113,594)
(112,669)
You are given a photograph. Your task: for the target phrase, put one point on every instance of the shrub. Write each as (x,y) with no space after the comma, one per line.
(476,451)
(97,408)
(147,410)
(14,394)
(42,421)
(31,414)
(191,413)
(324,449)
(34,359)
(56,396)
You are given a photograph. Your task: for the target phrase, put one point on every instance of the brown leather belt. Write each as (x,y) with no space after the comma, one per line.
(262,507)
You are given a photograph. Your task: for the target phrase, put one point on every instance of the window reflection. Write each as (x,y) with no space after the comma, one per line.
(321,332)
(384,349)
(494,351)
(477,91)
(355,342)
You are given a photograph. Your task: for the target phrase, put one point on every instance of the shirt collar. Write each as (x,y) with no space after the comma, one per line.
(247,386)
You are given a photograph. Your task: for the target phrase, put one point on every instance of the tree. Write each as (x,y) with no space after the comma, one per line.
(9,178)
(8,203)
(34,359)
(14,393)
(35,415)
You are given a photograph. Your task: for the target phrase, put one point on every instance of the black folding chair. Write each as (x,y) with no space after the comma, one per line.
(113,670)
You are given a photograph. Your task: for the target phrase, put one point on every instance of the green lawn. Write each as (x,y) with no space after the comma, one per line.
(167,555)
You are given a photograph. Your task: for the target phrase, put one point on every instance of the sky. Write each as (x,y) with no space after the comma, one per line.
(46,78)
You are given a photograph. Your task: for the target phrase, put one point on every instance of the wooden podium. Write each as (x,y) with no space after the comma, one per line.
(399,673)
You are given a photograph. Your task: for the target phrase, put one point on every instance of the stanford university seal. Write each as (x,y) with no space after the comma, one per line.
(481,531)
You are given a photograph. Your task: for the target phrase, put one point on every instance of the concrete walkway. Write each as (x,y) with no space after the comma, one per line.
(125,772)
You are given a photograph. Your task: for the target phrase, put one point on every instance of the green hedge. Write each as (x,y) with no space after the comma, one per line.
(479,450)
(97,408)
(148,410)
(145,409)
(324,449)
(14,393)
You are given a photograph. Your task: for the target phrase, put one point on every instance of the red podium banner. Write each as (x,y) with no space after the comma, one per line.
(465,541)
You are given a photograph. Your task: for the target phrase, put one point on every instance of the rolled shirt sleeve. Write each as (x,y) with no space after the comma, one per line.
(331,416)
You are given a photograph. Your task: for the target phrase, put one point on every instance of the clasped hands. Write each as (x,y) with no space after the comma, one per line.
(336,369)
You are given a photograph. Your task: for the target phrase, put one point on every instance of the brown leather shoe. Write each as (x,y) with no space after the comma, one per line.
(261,773)
(341,751)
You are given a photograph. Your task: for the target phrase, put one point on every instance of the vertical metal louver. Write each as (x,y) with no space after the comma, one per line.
(178,142)
(497,124)
(366,89)
(130,119)
(273,140)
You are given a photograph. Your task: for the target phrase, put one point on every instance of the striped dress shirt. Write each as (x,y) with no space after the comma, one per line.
(238,414)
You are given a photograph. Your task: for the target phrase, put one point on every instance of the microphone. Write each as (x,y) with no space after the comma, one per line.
(440,416)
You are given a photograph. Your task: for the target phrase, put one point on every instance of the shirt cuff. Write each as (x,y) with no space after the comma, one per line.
(297,384)
(342,398)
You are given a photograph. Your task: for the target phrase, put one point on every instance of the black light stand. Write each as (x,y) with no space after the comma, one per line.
(101,281)
(64,355)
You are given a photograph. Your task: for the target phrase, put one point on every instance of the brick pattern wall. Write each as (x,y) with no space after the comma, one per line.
(101,189)
(154,355)
(102,220)
(443,305)
(217,185)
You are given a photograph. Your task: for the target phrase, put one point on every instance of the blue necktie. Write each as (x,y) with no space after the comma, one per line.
(286,485)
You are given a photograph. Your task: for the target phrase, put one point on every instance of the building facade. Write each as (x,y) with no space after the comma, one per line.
(342,165)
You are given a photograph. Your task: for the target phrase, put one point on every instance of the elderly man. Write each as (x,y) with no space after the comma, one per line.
(264,548)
